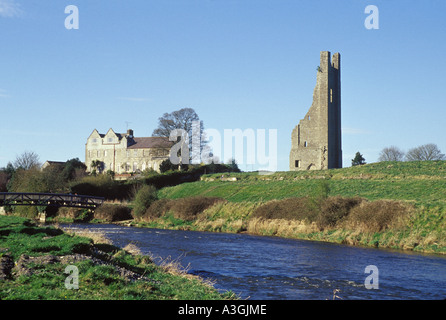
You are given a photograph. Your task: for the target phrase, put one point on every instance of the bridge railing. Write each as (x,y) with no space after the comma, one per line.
(49,199)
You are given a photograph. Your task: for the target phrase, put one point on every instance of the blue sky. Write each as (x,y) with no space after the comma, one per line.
(238,63)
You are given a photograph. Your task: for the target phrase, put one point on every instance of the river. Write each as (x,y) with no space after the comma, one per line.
(271,268)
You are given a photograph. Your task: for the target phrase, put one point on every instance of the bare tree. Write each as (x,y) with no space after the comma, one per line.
(391,153)
(426,152)
(27,160)
(186,119)
(180,119)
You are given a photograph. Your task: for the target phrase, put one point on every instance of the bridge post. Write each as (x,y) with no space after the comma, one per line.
(42,216)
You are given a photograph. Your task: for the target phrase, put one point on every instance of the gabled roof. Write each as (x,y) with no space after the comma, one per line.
(151,142)
(95,132)
(137,143)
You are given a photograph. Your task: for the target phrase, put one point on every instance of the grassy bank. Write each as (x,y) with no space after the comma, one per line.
(33,261)
(420,181)
(383,188)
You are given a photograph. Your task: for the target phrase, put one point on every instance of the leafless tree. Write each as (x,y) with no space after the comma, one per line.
(391,153)
(186,119)
(425,152)
(180,119)
(27,160)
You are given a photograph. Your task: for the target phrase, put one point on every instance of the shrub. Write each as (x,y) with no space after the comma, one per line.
(188,208)
(26,211)
(288,209)
(74,214)
(378,215)
(167,165)
(113,212)
(103,186)
(183,208)
(334,209)
(143,199)
(157,209)
(326,212)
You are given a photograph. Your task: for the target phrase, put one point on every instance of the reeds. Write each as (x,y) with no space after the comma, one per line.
(184,208)
(96,236)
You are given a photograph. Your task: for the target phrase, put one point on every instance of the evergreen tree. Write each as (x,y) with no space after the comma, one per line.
(358,159)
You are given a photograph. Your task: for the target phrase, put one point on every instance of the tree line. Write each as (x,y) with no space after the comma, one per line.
(425,152)
(25,174)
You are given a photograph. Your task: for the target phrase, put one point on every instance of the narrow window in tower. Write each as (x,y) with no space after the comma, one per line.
(331,95)
(297,163)
(305,144)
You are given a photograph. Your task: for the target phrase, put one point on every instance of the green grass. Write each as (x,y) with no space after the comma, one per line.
(417,190)
(419,183)
(18,237)
(422,182)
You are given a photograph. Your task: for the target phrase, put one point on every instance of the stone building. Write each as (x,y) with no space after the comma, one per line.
(49,163)
(124,153)
(316,140)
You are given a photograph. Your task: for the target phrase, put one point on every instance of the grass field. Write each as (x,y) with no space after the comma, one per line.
(422,182)
(420,186)
(33,263)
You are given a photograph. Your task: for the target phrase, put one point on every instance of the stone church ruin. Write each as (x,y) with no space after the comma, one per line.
(316,140)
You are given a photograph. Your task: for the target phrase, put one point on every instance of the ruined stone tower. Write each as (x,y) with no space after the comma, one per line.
(316,140)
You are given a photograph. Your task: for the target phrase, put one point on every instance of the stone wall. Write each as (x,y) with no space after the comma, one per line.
(119,154)
(316,140)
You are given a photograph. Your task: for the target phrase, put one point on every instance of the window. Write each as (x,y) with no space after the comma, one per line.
(105,153)
(297,163)
(110,139)
(331,95)
(305,144)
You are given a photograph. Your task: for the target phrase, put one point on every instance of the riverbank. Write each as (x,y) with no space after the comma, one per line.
(401,205)
(421,231)
(33,262)
(398,205)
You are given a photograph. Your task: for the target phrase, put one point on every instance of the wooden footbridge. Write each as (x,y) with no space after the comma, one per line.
(49,199)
